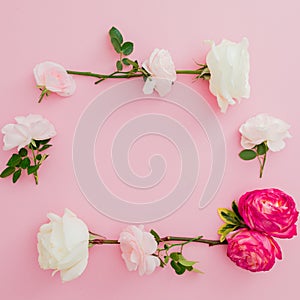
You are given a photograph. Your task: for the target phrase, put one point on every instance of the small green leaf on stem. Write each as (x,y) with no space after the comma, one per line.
(127,48)
(236,210)
(156,236)
(119,65)
(175,256)
(262,149)
(25,163)
(114,33)
(44,142)
(247,154)
(23,152)
(8,171)
(16,175)
(228,216)
(185,262)
(126,62)
(32,169)
(14,160)
(225,229)
(179,269)
(116,45)
(39,157)
(44,147)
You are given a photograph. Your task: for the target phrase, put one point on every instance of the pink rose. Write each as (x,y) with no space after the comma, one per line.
(137,247)
(270,211)
(162,72)
(252,250)
(31,127)
(54,78)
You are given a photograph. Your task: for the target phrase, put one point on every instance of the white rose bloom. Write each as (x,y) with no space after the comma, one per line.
(31,127)
(229,67)
(163,74)
(63,245)
(264,128)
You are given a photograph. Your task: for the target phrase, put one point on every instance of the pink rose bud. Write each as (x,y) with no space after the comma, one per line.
(270,211)
(252,250)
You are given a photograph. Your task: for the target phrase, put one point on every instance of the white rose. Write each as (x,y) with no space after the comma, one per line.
(162,70)
(31,127)
(54,78)
(63,245)
(264,128)
(229,67)
(137,247)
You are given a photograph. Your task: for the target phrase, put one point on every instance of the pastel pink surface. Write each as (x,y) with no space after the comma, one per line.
(75,35)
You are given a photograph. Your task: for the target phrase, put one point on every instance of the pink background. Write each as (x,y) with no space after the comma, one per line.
(75,35)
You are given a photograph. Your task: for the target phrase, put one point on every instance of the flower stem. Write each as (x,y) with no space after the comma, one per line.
(36,178)
(105,76)
(165,239)
(192,240)
(202,72)
(262,165)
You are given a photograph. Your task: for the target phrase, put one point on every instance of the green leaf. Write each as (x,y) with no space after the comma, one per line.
(39,157)
(236,210)
(44,142)
(8,171)
(126,62)
(116,45)
(262,149)
(186,263)
(179,269)
(16,175)
(127,48)
(225,229)
(23,152)
(247,154)
(119,65)
(174,256)
(166,259)
(44,147)
(228,216)
(14,160)
(33,145)
(114,33)
(156,236)
(197,271)
(32,169)
(25,163)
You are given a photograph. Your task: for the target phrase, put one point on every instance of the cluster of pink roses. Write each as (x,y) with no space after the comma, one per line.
(267,213)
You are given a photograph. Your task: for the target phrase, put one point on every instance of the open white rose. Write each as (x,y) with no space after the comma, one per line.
(63,245)
(229,67)
(31,127)
(264,128)
(54,78)
(162,70)
(137,247)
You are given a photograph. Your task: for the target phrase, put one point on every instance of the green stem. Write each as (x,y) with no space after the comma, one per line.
(105,76)
(186,240)
(36,178)
(196,72)
(192,240)
(262,164)
(138,73)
